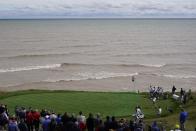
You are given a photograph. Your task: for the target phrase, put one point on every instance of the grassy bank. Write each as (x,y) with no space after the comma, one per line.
(118,104)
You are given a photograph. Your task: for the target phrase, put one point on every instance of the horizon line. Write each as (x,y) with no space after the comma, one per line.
(101,18)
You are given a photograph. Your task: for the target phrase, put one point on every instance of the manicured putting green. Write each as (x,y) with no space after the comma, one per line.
(118,104)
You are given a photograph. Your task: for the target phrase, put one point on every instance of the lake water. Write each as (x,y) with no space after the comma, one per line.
(97,53)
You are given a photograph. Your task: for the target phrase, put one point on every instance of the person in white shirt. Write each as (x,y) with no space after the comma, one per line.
(81,118)
(159,112)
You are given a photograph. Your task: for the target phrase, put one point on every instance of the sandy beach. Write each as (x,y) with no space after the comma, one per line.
(117,84)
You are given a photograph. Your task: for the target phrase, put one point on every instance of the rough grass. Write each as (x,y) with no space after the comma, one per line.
(171,120)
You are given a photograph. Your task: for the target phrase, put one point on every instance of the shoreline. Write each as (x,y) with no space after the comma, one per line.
(117,84)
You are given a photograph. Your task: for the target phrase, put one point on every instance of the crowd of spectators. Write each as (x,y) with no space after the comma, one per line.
(34,120)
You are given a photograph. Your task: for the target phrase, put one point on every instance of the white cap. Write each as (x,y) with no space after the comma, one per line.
(47,116)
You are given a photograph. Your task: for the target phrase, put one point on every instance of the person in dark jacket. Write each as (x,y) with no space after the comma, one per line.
(65,119)
(22,125)
(114,123)
(131,125)
(155,126)
(107,123)
(173,89)
(90,123)
(100,127)
(52,125)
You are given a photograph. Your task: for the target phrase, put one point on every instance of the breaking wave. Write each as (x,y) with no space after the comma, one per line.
(40,55)
(123,65)
(27,68)
(93,76)
(156,54)
(64,65)
(173,76)
(180,76)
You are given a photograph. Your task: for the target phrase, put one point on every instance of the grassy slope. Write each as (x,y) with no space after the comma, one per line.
(118,104)
(171,120)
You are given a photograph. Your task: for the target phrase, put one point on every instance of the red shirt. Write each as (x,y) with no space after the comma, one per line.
(36,116)
(29,117)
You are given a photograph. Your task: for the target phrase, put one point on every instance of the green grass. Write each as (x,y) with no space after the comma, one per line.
(107,103)
(75,101)
(171,120)
(118,104)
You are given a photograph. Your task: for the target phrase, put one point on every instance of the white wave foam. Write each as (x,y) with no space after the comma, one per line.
(124,65)
(103,75)
(180,76)
(61,80)
(30,68)
(92,76)
(151,65)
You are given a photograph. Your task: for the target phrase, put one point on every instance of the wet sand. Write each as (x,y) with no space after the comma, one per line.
(116,84)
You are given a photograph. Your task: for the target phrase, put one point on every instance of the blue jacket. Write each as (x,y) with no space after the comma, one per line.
(155,127)
(45,124)
(183,116)
(12,127)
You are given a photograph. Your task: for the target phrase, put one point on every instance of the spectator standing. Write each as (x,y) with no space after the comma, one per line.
(183,117)
(155,127)
(139,126)
(131,125)
(65,119)
(138,114)
(97,120)
(90,123)
(52,125)
(46,122)
(36,119)
(159,111)
(181,92)
(114,123)
(173,89)
(12,126)
(6,110)
(53,115)
(107,123)
(58,119)
(184,98)
(29,120)
(22,125)
(73,118)
(100,127)
(22,113)
(3,118)
(81,119)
